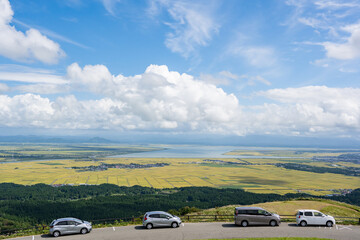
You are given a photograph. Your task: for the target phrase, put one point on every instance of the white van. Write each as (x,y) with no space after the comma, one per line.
(313,217)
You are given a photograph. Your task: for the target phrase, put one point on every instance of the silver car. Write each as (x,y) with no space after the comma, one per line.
(160,219)
(69,225)
(245,216)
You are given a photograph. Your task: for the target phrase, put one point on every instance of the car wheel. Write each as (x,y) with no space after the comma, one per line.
(149,226)
(273,223)
(83,231)
(56,233)
(329,223)
(244,223)
(303,223)
(174,225)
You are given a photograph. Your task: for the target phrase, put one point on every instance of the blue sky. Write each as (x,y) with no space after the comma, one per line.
(232,67)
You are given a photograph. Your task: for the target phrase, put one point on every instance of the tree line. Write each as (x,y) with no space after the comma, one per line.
(25,206)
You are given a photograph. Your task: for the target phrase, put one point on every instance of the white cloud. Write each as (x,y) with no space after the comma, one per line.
(329,4)
(348,50)
(32,77)
(110,5)
(52,34)
(313,109)
(332,20)
(163,100)
(194,25)
(25,47)
(173,98)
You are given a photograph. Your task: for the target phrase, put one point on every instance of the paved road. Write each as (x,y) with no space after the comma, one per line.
(210,230)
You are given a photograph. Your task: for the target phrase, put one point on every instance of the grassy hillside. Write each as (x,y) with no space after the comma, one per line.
(290,208)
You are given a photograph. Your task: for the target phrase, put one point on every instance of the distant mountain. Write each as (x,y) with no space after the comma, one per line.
(99,140)
(52,139)
(191,139)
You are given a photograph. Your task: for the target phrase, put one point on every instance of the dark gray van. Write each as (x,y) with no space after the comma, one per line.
(245,216)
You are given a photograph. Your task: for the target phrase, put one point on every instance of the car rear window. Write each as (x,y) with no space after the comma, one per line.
(300,213)
(309,214)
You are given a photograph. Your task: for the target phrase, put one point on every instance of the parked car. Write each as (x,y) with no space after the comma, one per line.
(313,217)
(69,225)
(160,219)
(245,216)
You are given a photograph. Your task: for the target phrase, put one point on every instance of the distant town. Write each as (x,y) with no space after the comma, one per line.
(106,166)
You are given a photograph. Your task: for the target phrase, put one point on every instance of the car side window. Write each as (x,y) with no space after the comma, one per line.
(155,216)
(308,214)
(241,211)
(62,223)
(317,214)
(262,212)
(164,216)
(252,212)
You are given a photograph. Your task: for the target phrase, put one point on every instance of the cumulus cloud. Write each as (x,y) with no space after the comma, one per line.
(313,109)
(28,46)
(163,100)
(167,98)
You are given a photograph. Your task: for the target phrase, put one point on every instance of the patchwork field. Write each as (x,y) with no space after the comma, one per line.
(260,175)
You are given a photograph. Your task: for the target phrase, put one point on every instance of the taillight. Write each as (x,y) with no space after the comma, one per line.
(299,216)
(236,212)
(145,218)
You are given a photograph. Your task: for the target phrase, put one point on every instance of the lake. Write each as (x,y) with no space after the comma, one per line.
(195,151)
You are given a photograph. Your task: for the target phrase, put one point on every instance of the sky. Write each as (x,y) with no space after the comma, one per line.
(189,67)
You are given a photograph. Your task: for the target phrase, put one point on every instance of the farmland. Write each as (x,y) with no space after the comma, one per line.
(64,165)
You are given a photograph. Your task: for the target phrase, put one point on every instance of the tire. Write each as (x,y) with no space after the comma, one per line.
(56,234)
(329,224)
(303,223)
(149,226)
(83,231)
(174,225)
(273,223)
(244,223)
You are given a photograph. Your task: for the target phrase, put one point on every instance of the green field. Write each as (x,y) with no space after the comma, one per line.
(81,164)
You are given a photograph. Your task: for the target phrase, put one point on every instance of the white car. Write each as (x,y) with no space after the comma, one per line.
(313,217)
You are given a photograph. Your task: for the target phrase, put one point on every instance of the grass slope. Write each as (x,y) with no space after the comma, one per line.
(291,207)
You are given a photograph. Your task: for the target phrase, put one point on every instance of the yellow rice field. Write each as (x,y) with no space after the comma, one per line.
(181,172)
